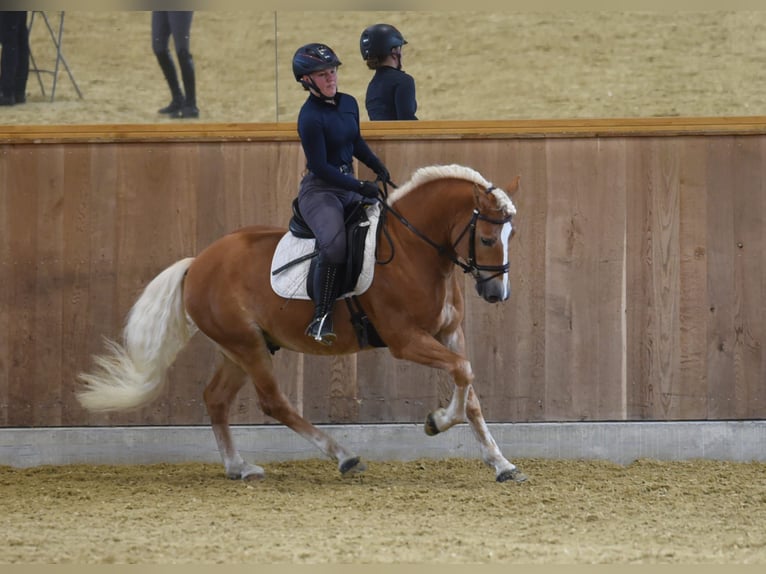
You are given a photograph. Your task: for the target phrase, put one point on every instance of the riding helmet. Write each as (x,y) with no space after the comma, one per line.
(313,58)
(379,39)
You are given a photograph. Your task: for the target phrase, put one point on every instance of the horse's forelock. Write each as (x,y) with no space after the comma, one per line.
(433,172)
(504,201)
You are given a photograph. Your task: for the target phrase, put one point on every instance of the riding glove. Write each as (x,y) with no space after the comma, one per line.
(383,174)
(369,189)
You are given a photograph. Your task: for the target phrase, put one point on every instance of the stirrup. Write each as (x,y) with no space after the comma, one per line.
(320,329)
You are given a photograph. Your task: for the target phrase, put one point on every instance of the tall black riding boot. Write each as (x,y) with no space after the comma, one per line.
(326,291)
(189,109)
(169,71)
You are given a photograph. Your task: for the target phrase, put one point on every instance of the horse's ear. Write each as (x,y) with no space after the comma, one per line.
(514,186)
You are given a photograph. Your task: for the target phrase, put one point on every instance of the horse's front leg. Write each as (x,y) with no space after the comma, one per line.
(420,347)
(455,413)
(448,355)
(490,452)
(462,374)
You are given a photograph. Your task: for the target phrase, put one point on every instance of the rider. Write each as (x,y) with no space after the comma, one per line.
(328,126)
(391,91)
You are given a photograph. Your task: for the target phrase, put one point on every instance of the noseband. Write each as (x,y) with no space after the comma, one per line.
(471,266)
(468,266)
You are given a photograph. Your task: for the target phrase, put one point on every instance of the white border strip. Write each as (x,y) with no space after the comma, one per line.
(620,442)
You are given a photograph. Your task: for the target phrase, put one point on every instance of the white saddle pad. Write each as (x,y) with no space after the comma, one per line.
(291,282)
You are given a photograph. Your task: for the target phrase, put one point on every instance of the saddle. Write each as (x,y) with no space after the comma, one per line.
(295,261)
(357,226)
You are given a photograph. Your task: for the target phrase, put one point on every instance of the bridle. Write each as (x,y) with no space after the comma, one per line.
(468,266)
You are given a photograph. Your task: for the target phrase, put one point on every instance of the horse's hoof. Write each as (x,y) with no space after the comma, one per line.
(515,475)
(253,476)
(246,472)
(351,466)
(430,426)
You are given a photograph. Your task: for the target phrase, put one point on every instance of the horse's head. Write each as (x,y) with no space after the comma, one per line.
(483,244)
(479,239)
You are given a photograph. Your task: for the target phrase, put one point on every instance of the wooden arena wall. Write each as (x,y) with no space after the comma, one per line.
(638,270)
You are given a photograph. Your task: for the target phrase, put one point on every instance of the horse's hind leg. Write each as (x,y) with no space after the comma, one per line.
(219,395)
(276,405)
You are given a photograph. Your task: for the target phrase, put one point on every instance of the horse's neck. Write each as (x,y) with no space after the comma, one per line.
(434,215)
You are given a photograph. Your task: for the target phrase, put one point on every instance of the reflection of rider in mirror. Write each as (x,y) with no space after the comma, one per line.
(177,24)
(391,91)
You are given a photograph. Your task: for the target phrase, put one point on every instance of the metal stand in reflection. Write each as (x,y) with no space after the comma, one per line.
(57,40)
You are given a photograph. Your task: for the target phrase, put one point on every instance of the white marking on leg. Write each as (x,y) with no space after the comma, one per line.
(455,413)
(233,463)
(329,446)
(490,452)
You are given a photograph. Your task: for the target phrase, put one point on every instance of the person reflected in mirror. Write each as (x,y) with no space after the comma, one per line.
(177,24)
(14,62)
(391,91)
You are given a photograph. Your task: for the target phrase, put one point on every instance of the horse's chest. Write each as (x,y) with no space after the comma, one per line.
(449,316)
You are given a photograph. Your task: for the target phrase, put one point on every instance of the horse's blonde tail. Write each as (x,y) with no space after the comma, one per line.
(132,374)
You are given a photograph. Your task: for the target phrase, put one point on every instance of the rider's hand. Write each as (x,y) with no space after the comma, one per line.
(369,189)
(383,174)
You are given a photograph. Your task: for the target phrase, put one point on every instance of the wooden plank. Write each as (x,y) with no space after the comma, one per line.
(665,282)
(602,367)
(652,281)
(23,193)
(74,241)
(317,376)
(749,213)
(527,316)
(722,254)
(105,315)
(563,235)
(637,292)
(693,265)
(48,330)
(584,280)
(377,400)
(7,182)
(343,390)
(757,390)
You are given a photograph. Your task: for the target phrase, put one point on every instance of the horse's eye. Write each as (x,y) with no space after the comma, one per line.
(487,241)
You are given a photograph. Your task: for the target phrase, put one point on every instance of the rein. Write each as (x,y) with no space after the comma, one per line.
(470,266)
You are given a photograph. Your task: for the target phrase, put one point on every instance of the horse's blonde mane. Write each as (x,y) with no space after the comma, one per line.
(432,172)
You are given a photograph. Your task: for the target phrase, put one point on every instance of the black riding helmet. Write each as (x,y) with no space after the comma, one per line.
(379,39)
(313,58)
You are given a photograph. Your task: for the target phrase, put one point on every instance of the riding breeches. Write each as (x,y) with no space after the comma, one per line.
(323,207)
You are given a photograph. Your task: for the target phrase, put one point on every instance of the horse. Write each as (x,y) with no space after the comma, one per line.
(444,219)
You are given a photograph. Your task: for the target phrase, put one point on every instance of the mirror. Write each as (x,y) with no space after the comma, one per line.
(467,65)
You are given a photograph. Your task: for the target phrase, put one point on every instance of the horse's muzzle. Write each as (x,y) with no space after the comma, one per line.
(494,290)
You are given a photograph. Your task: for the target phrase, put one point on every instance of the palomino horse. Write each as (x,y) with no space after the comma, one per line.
(444,218)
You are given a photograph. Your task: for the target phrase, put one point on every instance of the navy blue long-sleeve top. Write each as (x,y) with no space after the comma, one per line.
(391,95)
(331,138)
